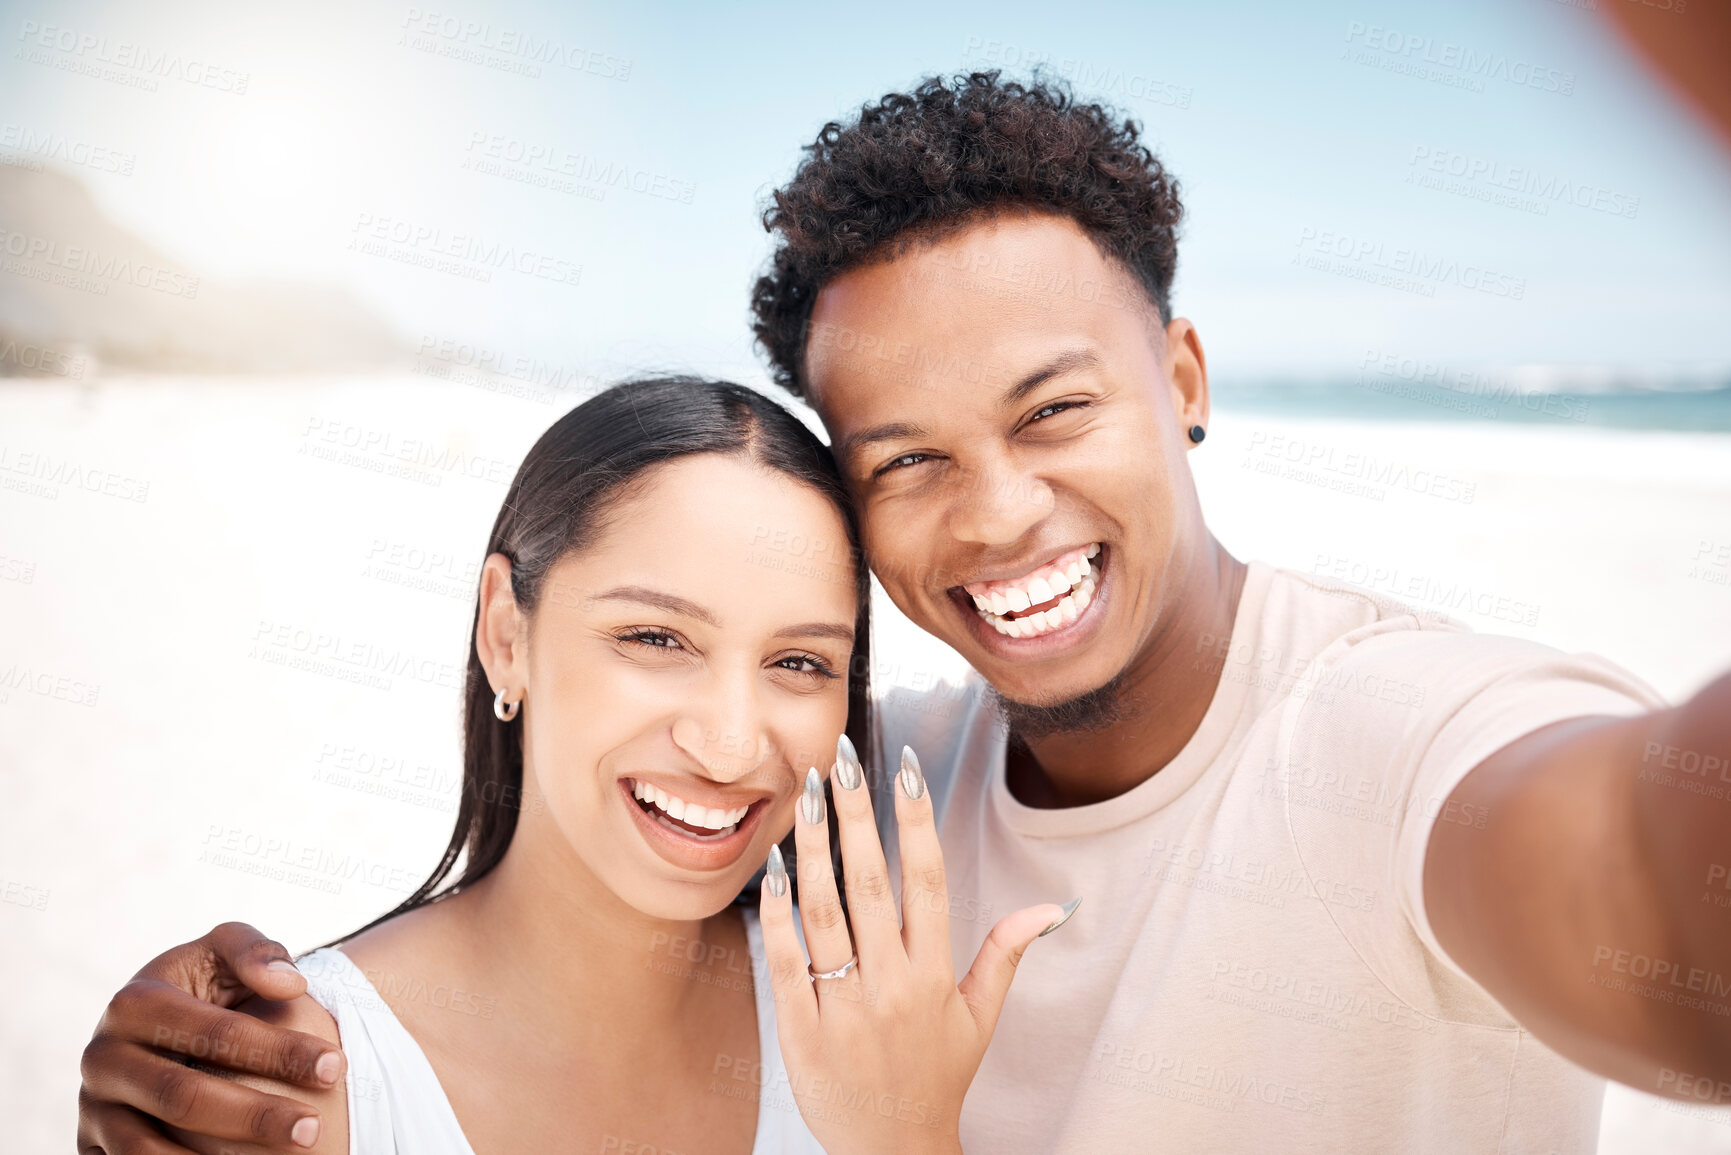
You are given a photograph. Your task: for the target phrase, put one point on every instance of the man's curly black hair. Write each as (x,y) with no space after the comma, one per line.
(919,164)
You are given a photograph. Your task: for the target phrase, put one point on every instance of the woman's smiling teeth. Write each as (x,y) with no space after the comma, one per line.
(1049,598)
(687,817)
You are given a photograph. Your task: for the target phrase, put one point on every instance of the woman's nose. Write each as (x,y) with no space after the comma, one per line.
(724,732)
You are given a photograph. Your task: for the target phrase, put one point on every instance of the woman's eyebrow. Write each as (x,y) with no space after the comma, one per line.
(672,603)
(833,630)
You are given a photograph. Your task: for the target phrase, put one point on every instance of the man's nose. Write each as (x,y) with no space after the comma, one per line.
(997,504)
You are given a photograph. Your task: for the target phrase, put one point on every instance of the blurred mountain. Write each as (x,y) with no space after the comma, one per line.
(78,291)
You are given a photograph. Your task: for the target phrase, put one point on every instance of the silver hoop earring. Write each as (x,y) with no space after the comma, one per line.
(502,711)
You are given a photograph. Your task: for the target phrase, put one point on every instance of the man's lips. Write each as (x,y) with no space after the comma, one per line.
(1037,629)
(1041,600)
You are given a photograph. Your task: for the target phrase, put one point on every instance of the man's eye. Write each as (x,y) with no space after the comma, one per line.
(1055,407)
(905,459)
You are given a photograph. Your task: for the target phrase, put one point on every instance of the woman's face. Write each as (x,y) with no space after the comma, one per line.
(681,675)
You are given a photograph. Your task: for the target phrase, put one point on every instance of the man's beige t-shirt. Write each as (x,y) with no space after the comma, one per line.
(1251,968)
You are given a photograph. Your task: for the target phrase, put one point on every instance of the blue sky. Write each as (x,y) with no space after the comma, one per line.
(1318,146)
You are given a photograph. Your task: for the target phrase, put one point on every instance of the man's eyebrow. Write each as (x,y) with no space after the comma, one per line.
(1067,362)
(889,431)
(833,630)
(673,604)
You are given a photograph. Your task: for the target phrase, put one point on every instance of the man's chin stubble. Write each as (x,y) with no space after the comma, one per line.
(1089,713)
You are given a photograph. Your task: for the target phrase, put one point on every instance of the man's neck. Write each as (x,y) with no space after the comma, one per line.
(1167,691)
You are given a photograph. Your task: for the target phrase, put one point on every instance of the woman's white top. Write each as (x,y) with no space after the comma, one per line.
(397,1105)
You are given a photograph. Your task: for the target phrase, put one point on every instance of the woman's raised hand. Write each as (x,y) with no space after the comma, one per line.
(880,1041)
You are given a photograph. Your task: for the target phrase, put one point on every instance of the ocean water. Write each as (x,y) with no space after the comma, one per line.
(1416,395)
(167,544)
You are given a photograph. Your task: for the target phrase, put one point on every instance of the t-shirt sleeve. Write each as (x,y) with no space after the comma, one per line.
(1394,722)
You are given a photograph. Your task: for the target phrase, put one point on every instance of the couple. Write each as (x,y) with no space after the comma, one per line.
(1356,879)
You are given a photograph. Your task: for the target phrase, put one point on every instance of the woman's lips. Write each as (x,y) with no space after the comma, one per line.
(685,848)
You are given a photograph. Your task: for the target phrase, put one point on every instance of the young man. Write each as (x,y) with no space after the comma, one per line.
(1356,879)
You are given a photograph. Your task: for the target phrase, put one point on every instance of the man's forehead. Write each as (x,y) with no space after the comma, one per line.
(895,335)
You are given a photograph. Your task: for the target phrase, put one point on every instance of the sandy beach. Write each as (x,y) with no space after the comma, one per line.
(233,620)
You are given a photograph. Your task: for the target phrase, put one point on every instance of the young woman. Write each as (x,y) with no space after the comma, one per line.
(651,686)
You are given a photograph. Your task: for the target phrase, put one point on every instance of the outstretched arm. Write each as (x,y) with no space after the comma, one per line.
(177,1009)
(1595,904)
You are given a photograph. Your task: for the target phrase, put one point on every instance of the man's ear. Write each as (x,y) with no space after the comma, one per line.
(501,631)
(1187,374)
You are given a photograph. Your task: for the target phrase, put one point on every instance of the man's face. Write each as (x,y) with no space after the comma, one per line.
(1010,416)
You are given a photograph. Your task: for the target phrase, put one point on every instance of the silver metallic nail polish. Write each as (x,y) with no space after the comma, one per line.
(848,771)
(775,876)
(912,781)
(811,807)
(1069,909)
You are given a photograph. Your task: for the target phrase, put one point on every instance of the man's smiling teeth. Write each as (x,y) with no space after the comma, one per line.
(687,812)
(1069,579)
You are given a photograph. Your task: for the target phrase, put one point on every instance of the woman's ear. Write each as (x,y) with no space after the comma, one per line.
(501,631)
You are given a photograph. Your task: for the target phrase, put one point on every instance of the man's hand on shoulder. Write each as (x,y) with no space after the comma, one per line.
(177,1010)
(305,1016)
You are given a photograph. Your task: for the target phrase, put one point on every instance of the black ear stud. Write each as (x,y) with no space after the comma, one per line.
(1197,433)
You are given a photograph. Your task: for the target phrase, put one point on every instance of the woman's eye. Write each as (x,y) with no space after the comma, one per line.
(659,639)
(806,664)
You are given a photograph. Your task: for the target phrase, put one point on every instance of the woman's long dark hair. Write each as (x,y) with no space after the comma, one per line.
(558,502)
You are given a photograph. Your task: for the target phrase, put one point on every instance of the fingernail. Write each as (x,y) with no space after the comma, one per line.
(306,1132)
(329,1066)
(1069,909)
(775,878)
(811,806)
(848,771)
(283,965)
(913,782)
